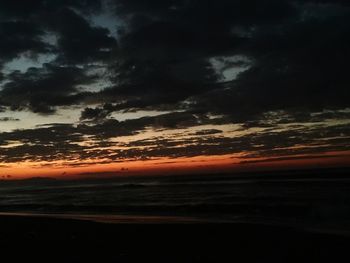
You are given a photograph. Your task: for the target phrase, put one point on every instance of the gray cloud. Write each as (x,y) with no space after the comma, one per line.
(293,71)
(41,89)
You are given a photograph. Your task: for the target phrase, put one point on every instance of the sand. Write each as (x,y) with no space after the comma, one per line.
(48,239)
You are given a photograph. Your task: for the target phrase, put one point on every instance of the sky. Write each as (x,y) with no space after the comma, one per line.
(123,87)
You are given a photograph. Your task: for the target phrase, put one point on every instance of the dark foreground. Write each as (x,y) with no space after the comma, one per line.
(30,239)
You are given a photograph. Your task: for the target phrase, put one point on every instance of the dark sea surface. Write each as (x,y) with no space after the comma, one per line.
(312,200)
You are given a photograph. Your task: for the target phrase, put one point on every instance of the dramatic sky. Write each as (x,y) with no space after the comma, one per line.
(165,86)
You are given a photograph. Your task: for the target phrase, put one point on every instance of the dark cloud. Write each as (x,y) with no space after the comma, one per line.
(292,57)
(94,114)
(207,132)
(209,14)
(19,37)
(41,89)
(112,127)
(79,41)
(290,158)
(68,142)
(266,144)
(299,55)
(62,141)
(300,66)
(29,9)
(32,29)
(5,119)
(23,26)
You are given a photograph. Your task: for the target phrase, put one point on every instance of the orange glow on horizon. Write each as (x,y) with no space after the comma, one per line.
(199,164)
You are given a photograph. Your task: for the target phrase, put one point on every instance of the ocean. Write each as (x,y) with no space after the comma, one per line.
(316,200)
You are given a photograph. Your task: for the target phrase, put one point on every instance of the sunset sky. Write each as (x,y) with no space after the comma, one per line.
(123,87)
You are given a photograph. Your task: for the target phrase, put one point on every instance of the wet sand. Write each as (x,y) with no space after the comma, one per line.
(48,239)
(110,218)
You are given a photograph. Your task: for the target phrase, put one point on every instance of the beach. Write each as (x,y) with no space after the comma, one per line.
(282,217)
(50,239)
